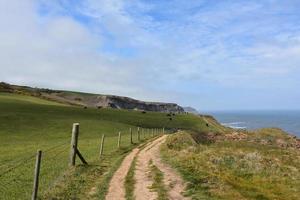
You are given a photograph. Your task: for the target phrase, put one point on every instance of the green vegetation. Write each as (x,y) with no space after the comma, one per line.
(218,163)
(236,169)
(16,98)
(102,184)
(130,181)
(158,184)
(29,123)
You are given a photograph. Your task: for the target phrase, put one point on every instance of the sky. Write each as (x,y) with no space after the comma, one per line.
(208,54)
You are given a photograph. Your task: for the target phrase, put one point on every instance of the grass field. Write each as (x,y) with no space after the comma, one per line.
(28,123)
(253,168)
(236,169)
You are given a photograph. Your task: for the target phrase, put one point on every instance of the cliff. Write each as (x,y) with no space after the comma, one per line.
(92,100)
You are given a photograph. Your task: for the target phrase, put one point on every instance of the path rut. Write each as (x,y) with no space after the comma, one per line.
(172,180)
(142,190)
(116,189)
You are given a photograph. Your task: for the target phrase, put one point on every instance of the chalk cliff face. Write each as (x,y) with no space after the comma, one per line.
(92,100)
(129,103)
(117,102)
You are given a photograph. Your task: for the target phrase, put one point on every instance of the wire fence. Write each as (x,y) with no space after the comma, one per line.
(17,175)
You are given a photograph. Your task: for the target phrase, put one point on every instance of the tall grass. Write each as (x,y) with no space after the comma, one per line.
(235,169)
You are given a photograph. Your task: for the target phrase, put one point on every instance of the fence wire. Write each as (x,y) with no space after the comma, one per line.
(17,177)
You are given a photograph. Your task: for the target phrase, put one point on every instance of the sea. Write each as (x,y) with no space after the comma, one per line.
(289,121)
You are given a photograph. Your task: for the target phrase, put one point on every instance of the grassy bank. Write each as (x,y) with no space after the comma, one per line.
(241,169)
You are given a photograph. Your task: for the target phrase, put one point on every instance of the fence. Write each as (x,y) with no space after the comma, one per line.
(29,175)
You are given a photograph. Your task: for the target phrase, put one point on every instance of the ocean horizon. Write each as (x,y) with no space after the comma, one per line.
(287,120)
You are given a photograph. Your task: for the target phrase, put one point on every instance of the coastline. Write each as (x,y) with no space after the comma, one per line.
(287,121)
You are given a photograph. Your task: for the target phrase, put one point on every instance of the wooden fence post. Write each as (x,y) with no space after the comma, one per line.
(119,140)
(36,175)
(131,141)
(74,142)
(81,157)
(138,133)
(102,145)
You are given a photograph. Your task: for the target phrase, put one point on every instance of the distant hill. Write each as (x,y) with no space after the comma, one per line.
(191,110)
(91,100)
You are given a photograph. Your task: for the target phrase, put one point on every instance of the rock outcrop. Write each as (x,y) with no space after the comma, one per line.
(129,103)
(111,101)
(92,100)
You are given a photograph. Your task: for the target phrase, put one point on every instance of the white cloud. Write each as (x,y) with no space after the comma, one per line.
(47,53)
(144,50)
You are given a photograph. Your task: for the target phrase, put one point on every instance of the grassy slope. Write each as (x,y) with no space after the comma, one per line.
(236,169)
(28,123)
(13,98)
(222,170)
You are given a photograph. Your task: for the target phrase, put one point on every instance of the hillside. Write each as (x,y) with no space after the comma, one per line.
(197,158)
(28,123)
(92,100)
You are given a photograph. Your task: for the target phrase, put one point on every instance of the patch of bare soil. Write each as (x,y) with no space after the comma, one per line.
(116,189)
(172,180)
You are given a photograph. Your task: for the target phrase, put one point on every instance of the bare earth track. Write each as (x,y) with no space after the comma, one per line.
(172,180)
(142,190)
(116,187)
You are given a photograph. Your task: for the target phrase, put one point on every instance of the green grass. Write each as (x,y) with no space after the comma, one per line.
(158,184)
(28,124)
(252,169)
(103,185)
(88,182)
(130,182)
(235,169)
(17,98)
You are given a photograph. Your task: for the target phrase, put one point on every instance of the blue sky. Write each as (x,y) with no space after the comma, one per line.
(209,54)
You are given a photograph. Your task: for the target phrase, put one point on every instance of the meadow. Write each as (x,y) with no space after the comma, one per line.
(29,123)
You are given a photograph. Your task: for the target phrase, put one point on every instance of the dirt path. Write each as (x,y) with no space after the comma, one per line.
(116,189)
(141,176)
(172,180)
(142,190)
